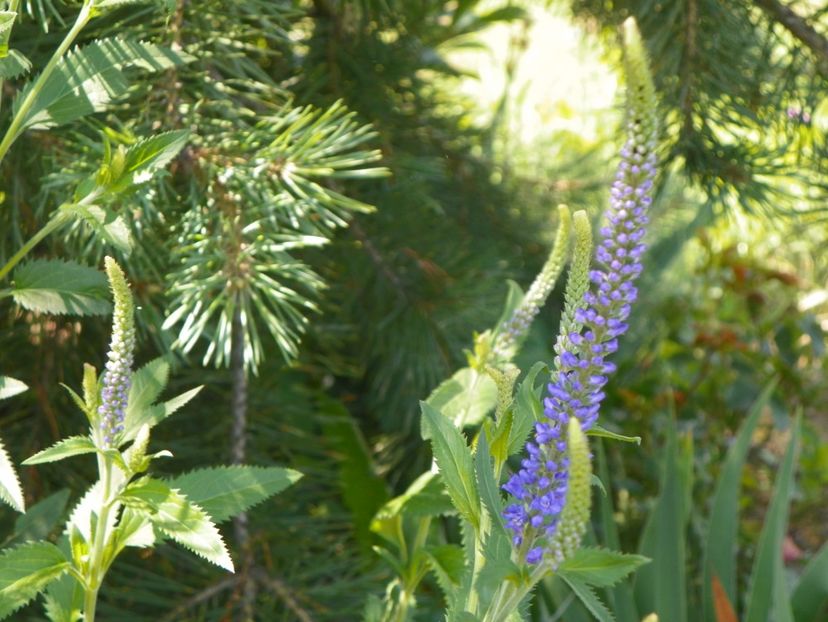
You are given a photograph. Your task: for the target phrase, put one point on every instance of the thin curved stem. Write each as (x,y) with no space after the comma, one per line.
(55,223)
(26,105)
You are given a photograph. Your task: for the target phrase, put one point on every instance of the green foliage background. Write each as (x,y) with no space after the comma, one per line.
(366,262)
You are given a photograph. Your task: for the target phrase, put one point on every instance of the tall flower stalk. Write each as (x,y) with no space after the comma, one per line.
(541,487)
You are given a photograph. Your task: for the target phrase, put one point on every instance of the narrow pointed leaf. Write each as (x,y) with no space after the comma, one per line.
(147,384)
(597,430)
(600,567)
(810,596)
(489,488)
(589,599)
(71,446)
(720,547)
(147,156)
(10,490)
(765,597)
(86,79)
(527,410)
(25,570)
(224,492)
(455,462)
(61,287)
(662,585)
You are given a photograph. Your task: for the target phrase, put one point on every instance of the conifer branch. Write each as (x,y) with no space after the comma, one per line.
(691,30)
(799,27)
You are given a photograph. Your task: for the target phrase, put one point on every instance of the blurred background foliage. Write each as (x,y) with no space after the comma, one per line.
(362,178)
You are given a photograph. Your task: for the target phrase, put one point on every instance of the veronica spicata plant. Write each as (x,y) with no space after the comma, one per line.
(126,506)
(509,546)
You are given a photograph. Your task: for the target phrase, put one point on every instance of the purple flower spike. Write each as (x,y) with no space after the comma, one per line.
(602,305)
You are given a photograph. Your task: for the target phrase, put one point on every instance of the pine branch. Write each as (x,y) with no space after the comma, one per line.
(799,28)
(199,598)
(282,590)
(691,29)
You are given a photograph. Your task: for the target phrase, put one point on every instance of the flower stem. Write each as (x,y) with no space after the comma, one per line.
(26,105)
(97,570)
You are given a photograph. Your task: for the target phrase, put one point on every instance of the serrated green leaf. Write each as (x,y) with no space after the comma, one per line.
(455,462)
(489,488)
(71,446)
(10,490)
(41,519)
(765,596)
(465,398)
(176,517)
(108,225)
(135,529)
(56,286)
(596,481)
(25,570)
(85,513)
(447,562)
(527,410)
(499,567)
(155,414)
(600,567)
(147,384)
(226,491)
(589,599)
(88,78)
(10,386)
(14,65)
(63,600)
(597,430)
(6,22)
(147,156)
(809,600)
(722,538)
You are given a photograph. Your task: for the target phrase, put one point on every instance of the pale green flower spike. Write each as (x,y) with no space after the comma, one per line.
(575,515)
(505,381)
(641,97)
(118,374)
(517,326)
(577,283)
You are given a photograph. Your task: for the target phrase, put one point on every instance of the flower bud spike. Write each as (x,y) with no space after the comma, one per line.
(505,382)
(575,515)
(515,329)
(118,371)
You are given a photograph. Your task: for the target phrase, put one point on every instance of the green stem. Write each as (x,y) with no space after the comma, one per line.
(473,600)
(17,123)
(57,221)
(96,567)
(509,595)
